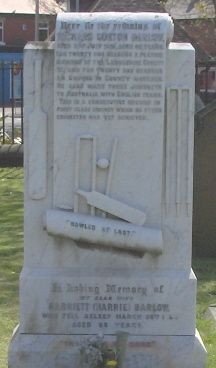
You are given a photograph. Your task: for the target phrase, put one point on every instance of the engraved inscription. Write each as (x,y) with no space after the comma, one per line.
(102,229)
(109,71)
(108,306)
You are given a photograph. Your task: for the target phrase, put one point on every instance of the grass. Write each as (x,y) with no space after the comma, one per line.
(205,270)
(11,255)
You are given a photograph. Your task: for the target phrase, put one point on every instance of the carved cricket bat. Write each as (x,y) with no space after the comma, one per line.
(114,207)
(37,149)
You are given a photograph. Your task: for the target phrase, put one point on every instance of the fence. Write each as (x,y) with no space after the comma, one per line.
(11,103)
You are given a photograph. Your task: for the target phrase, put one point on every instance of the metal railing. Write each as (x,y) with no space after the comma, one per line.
(11,103)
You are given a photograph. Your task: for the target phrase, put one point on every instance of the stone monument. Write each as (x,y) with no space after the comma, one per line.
(107,277)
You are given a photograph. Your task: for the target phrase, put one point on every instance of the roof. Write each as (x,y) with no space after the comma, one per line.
(128,5)
(178,9)
(202,35)
(85,5)
(190,9)
(199,117)
(28,6)
(208,109)
(199,104)
(181,35)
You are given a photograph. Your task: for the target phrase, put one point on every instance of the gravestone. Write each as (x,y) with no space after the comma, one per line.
(107,277)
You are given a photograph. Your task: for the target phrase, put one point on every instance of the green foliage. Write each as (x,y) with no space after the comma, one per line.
(205,270)
(11,253)
(11,256)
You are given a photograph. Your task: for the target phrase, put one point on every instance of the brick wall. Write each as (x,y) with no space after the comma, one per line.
(19,29)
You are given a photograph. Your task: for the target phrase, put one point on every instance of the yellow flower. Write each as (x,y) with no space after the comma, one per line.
(111,363)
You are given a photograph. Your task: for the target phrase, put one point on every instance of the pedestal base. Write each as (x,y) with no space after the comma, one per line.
(63,351)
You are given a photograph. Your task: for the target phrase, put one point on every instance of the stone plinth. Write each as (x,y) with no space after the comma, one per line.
(60,351)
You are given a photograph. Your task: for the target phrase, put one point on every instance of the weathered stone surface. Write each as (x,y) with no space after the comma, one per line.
(59,351)
(150,305)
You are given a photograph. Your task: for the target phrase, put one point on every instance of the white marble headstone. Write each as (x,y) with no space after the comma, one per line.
(108,193)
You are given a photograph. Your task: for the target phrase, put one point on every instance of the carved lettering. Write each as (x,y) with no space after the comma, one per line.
(98,66)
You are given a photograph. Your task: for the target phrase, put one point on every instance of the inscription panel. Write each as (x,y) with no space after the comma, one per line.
(97,61)
(139,306)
